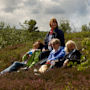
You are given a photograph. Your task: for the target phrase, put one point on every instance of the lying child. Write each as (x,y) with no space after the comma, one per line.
(28,59)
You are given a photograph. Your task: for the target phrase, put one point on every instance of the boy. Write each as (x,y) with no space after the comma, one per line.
(56,54)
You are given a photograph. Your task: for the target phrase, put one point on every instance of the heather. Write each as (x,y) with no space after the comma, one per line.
(71,78)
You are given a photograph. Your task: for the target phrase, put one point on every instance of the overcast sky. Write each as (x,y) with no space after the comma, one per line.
(15,11)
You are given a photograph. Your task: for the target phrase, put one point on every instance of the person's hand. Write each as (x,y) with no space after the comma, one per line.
(53,62)
(48,61)
(49,43)
(65,63)
(30,55)
(43,49)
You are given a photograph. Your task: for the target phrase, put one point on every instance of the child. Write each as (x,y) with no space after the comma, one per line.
(36,46)
(72,54)
(17,65)
(56,54)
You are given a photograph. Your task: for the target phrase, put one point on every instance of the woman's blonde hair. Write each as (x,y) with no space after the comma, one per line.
(70,43)
(53,20)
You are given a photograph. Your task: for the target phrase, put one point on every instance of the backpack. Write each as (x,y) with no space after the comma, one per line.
(33,59)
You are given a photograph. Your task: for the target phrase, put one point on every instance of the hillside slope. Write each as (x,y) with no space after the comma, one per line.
(56,79)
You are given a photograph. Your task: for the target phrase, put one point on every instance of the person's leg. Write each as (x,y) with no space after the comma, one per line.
(44,55)
(14,67)
(52,65)
(42,62)
(59,64)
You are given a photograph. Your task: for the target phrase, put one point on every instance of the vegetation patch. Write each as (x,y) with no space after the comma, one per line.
(75,78)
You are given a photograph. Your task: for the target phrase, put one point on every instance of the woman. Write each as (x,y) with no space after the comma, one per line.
(55,32)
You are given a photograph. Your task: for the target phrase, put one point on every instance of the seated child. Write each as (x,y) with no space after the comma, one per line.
(27,59)
(72,54)
(57,53)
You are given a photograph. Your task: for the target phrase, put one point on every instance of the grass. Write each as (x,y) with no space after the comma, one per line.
(55,79)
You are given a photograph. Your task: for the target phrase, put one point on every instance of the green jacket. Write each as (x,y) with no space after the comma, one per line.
(33,59)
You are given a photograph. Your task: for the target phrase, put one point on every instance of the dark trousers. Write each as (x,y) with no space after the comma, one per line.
(44,55)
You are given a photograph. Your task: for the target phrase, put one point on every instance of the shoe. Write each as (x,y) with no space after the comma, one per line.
(35,70)
(25,68)
(37,74)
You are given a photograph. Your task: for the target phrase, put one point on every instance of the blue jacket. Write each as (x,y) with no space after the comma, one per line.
(56,34)
(57,55)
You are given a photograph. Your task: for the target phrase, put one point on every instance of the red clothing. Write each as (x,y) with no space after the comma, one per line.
(48,63)
(51,31)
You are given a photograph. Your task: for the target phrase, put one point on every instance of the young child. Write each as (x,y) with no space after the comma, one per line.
(57,53)
(36,46)
(17,65)
(72,54)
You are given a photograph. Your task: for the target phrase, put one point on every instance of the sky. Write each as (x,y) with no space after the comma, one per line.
(14,12)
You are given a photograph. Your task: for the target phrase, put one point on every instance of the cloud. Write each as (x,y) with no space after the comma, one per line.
(10,5)
(54,10)
(15,11)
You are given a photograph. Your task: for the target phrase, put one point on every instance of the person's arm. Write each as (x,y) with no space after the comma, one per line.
(46,41)
(58,56)
(65,62)
(60,36)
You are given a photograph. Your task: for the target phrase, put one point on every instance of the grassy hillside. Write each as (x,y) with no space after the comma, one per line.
(74,78)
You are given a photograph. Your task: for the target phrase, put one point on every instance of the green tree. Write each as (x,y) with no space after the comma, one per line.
(8,27)
(84,27)
(65,25)
(30,25)
(2,25)
(89,27)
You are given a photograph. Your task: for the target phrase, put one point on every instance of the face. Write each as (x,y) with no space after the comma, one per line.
(36,45)
(53,25)
(71,47)
(55,46)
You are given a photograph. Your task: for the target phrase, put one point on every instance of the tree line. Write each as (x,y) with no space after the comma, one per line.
(31,25)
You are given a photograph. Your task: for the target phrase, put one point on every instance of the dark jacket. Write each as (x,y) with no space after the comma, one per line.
(73,56)
(56,34)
